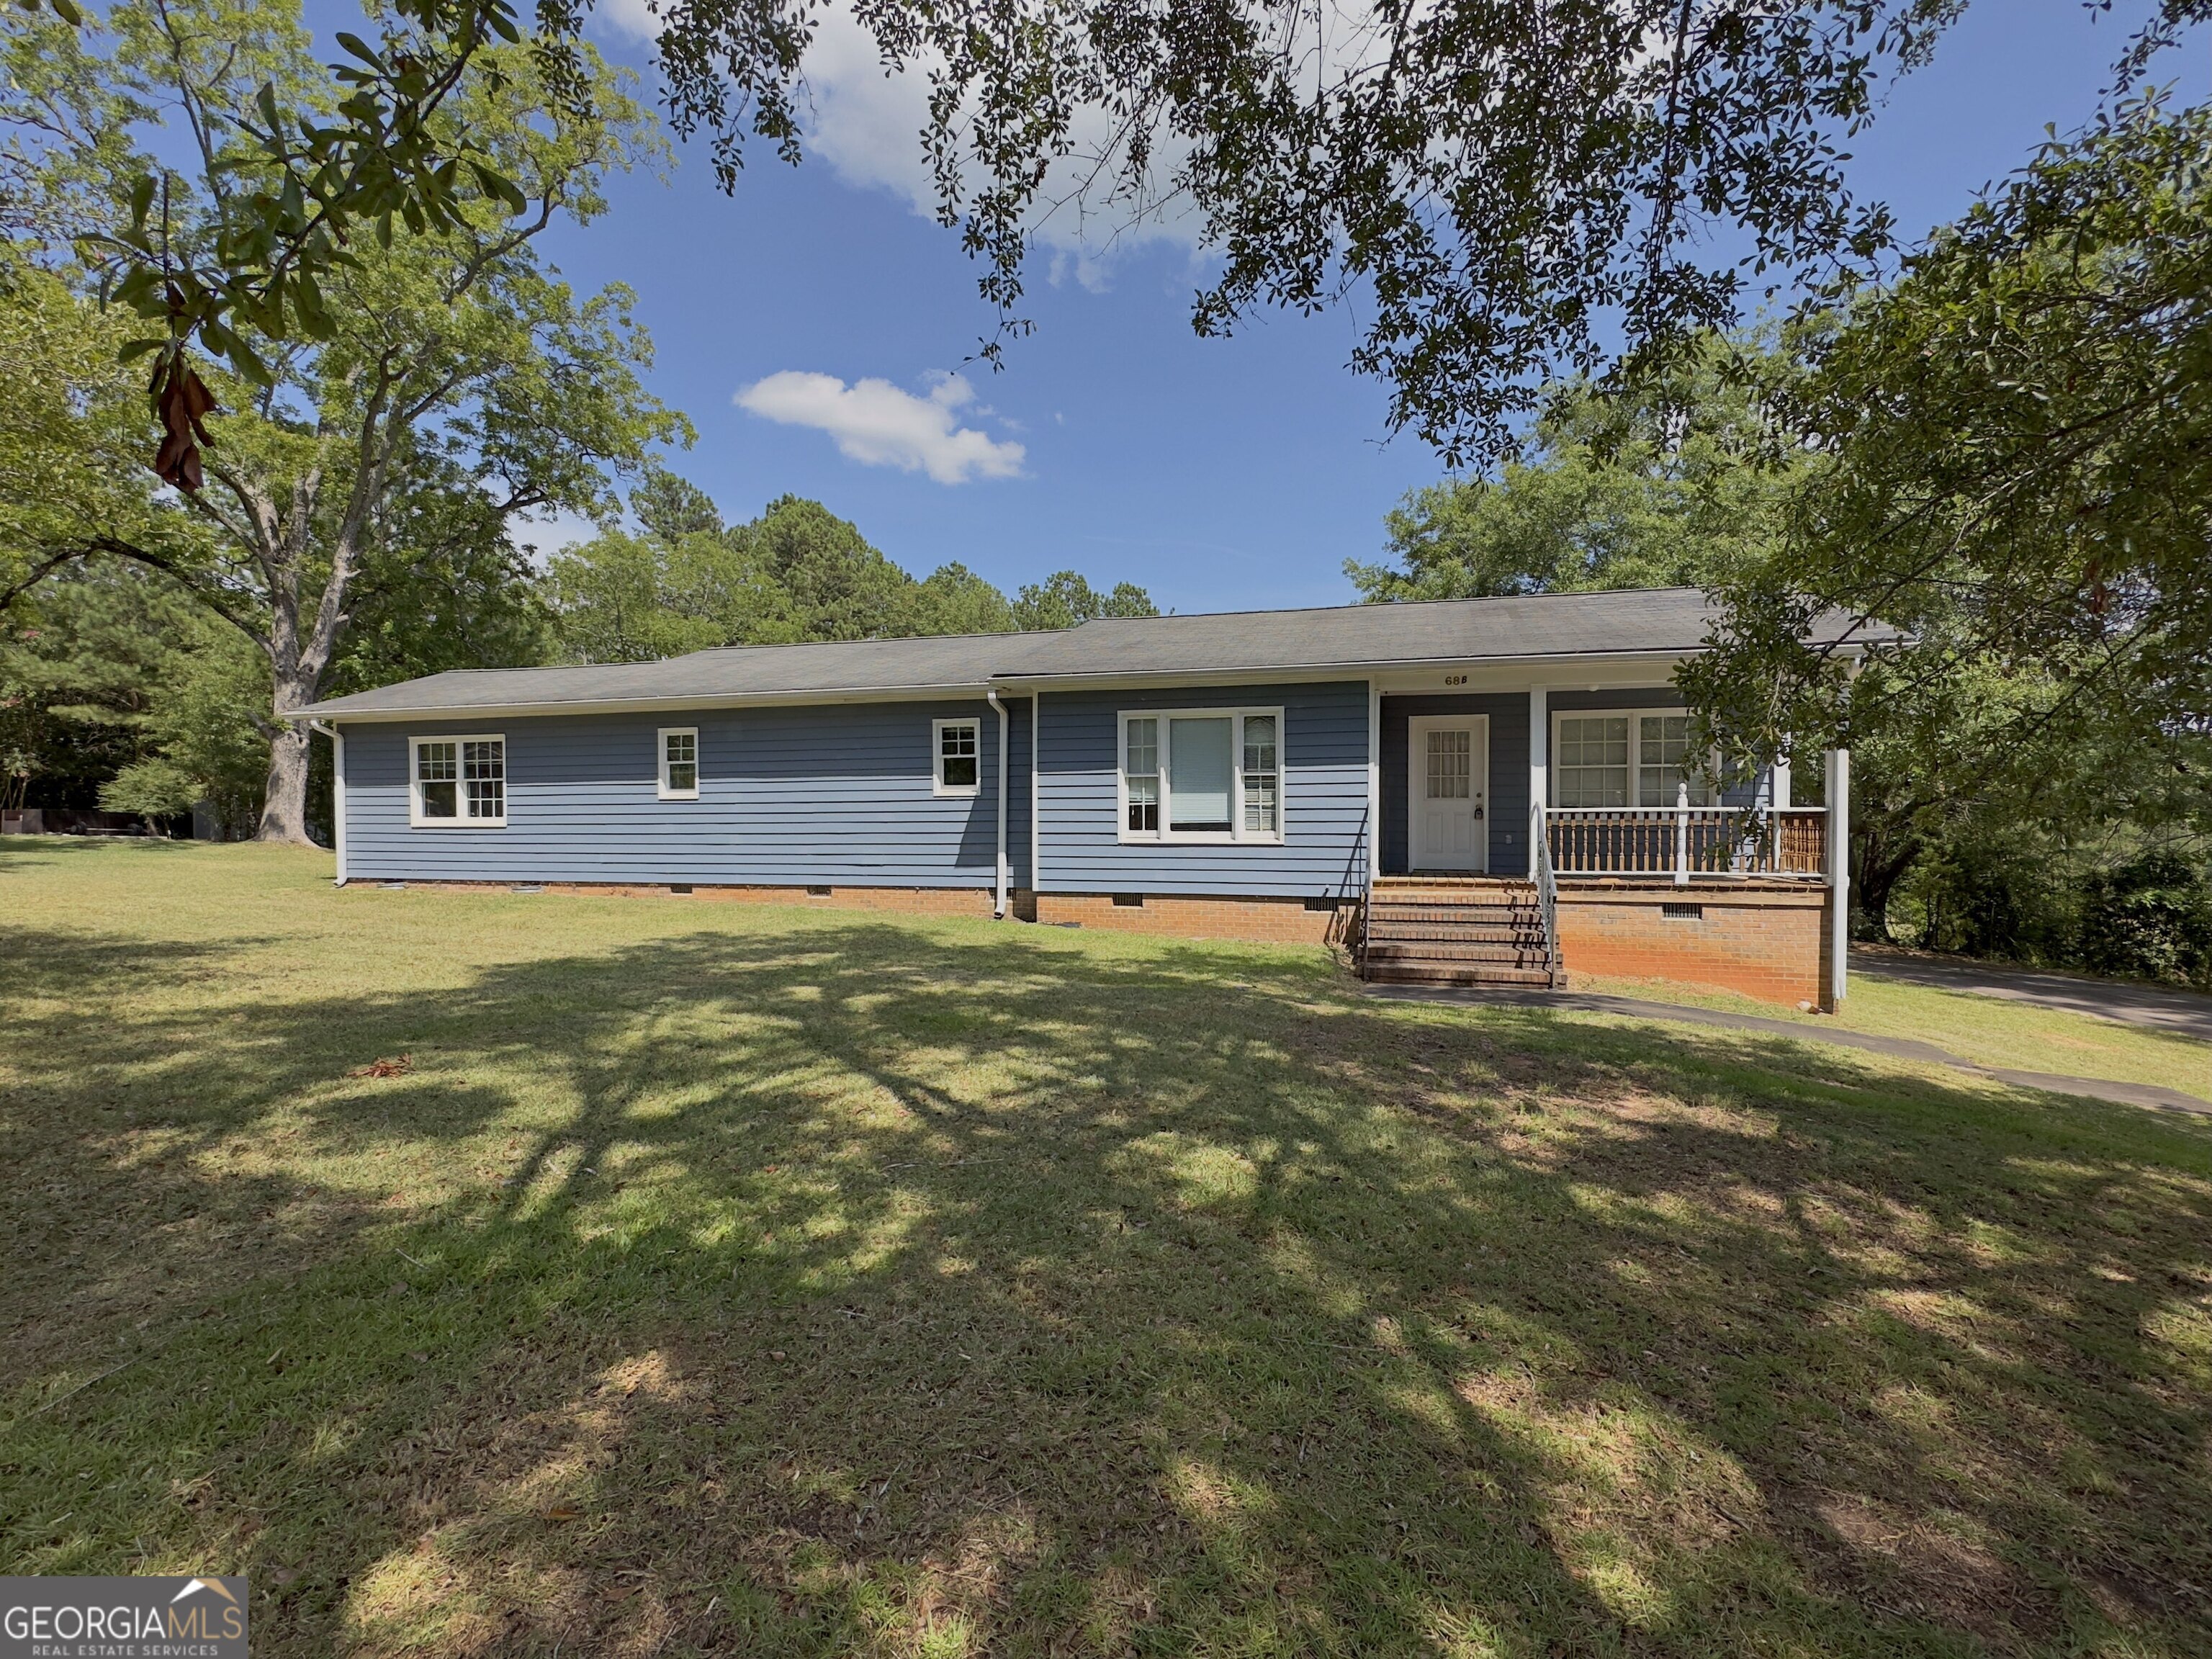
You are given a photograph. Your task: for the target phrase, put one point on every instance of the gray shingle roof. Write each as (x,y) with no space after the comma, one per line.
(1666,621)
(956,662)
(1651,621)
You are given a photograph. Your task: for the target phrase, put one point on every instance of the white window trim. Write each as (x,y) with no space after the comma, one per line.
(1635,750)
(937,783)
(660,747)
(1238,835)
(415,818)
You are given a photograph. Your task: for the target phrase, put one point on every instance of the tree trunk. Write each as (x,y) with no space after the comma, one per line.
(1883,860)
(284,802)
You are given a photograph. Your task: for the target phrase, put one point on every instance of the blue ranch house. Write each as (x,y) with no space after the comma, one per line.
(1462,792)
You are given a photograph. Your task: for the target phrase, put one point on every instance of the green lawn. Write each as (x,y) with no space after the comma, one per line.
(762,1282)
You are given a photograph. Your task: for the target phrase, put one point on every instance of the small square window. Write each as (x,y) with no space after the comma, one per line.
(679,763)
(959,770)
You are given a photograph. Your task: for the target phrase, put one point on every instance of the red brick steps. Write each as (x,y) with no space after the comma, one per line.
(1454,930)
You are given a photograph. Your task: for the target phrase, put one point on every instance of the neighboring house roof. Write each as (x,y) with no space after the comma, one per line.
(1658,623)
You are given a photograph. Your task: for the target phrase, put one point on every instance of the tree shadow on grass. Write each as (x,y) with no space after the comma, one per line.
(909,1290)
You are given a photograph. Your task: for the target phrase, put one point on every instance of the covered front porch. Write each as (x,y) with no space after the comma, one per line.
(1524,833)
(1470,783)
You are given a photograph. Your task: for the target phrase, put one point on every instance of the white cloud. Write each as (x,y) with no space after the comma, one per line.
(633,20)
(867,126)
(550,530)
(877,423)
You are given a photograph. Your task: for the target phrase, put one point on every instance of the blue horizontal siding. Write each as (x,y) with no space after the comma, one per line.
(1324,797)
(837,794)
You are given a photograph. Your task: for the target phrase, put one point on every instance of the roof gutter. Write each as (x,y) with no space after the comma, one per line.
(657,704)
(998,906)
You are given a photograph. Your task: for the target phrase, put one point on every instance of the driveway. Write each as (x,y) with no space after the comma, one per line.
(2185,1013)
(2127,1094)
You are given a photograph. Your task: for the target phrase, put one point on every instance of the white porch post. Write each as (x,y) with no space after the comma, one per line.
(1839,868)
(1374,781)
(1682,833)
(1540,764)
(1780,788)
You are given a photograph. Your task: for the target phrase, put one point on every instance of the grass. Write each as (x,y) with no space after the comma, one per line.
(1989,1030)
(734,1280)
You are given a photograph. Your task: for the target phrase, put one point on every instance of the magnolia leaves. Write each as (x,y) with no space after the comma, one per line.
(181,403)
(279,212)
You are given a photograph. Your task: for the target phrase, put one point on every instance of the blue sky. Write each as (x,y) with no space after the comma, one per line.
(1221,475)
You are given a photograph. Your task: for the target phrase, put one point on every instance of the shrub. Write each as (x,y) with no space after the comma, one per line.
(2150,918)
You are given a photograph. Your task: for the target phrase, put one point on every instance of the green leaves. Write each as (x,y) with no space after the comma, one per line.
(1520,193)
(288,200)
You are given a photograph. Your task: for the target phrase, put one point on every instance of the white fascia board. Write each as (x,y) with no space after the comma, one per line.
(647,705)
(1618,672)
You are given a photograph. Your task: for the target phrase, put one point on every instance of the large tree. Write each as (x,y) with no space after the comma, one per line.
(1515,189)
(2019,441)
(685,581)
(447,353)
(1678,481)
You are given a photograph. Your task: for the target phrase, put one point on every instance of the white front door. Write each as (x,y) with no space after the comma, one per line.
(1449,769)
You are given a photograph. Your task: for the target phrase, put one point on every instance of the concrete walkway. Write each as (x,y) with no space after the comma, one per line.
(2187,1014)
(2124,1094)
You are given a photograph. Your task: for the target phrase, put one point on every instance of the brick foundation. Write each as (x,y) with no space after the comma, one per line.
(1764,940)
(907,901)
(1265,921)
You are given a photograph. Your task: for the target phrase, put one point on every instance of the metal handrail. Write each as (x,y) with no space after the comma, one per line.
(1357,872)
(1547,892)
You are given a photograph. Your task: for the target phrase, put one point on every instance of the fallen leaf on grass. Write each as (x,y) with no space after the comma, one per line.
(560,1512)
(387,1067)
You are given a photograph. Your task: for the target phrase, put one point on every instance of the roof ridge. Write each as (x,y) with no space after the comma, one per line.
(876,638)
(1390,604)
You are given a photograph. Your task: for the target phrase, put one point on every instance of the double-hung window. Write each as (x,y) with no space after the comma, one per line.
(679,763)
(959,749)
(1202,775)
(1624,759)
(458,781)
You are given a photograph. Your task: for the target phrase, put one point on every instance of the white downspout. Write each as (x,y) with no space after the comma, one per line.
(1036,796)
(991,697)
(337,793)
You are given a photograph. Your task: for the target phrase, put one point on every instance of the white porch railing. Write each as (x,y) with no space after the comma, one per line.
(1683,842)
